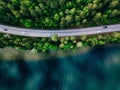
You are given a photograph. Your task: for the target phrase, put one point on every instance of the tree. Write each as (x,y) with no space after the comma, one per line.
(114,3)
(41,5)
(69,4)
(68,19)
(72,38)
(100,5)
(83,38)
(26,3)
(101,42)
(27,22)
(78,1)
(72,11)
(47,22)
(56,17)
(84,21)
(114,13)
(62,22)
(61,45)
(37,9)
(16,14)
(61,14)
(15,2)
(96,1)
(32,11)
(23,11)
(94,6)
(10,6)
(62,40)
(89,6)
(82,14)
(79,44)
(61,2)
(54,37)
(97,16)
(53,4)
(77,18)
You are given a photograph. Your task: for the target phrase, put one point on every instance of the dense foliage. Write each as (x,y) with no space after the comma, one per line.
(59,13)
(57,43)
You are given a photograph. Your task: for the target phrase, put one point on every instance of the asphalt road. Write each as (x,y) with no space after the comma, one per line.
(60,33)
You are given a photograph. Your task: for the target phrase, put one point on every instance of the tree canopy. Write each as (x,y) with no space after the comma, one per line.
(59,13)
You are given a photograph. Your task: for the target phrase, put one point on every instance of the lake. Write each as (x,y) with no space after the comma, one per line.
(86,69)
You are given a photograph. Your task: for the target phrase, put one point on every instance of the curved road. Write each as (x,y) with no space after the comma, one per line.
(60,33)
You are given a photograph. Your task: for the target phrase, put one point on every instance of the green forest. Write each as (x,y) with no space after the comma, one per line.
(57,43)
(59,14)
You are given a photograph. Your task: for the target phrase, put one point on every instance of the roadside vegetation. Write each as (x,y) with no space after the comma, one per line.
(57,43)
(59,14)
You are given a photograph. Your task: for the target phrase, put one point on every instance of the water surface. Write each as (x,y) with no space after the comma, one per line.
(94,69)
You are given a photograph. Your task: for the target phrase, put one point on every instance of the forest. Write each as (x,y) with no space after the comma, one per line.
(57,43)
(59,14)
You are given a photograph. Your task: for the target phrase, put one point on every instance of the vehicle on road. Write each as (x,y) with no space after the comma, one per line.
(24,33)
(104,27)
(4,29)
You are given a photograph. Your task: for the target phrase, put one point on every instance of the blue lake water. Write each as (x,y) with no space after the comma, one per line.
(97,69)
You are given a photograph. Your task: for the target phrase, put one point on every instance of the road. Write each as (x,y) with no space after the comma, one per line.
(60,33)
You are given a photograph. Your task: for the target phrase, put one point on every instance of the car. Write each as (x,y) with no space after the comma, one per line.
(50,35)
(4,29)
(99,31)
(104,27)
(24,33)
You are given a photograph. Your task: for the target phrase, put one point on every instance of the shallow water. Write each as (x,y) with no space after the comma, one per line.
(95,69)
